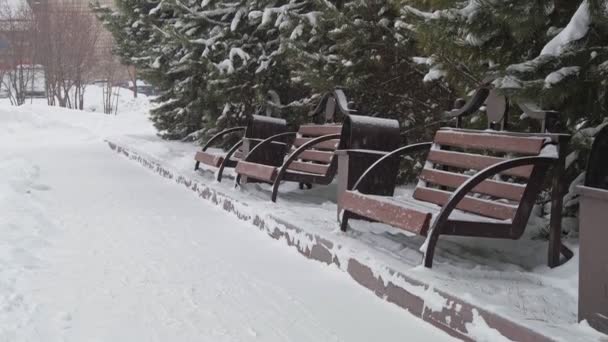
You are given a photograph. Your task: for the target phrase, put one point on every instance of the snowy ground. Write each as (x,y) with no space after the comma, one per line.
(95,248)
(507,277)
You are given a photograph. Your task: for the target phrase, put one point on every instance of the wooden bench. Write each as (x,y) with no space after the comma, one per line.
(258,128)
(474,183)
(312,158)
(353,162)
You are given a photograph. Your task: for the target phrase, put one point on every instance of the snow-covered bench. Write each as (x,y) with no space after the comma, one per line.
(258,128)
(311,159)
(474,183)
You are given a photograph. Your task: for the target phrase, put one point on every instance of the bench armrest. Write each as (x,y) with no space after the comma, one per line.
(221,134)
(387,156)
(272,140)
(293,156)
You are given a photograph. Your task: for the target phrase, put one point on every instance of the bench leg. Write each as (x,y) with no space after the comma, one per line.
(345,217)
(219,174)
(275,189)
(197,165)
(304,186)
(429,253)
(567,253)
(226,161)
(557,203)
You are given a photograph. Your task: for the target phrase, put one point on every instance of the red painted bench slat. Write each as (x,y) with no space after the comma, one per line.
(238,155)
(257,171)
(331,145)
(511,191)
(319,130)
(319,169)
(388,212)
(474,161)
(482,207)
(318,156)
(494,142)
(209,159)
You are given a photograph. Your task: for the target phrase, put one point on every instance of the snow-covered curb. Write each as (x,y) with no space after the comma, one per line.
(447,312)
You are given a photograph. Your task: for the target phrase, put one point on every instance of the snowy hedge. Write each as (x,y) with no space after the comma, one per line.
(215,61)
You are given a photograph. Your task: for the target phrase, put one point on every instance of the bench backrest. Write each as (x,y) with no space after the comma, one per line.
(457,154)
(356,132)
(332,107)
(260,128)
(319,159)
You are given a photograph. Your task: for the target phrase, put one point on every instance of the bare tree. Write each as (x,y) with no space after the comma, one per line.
(17,29)
(67,37)
(110,69)
(132,70)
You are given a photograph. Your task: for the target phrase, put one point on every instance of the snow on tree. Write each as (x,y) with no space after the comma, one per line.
(366,48)
(553,53)
(215,61)
(240,43)
(570,72)
(141,30)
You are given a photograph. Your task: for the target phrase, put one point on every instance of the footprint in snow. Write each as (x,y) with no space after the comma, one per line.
(40,187)
(252,332)
(25,259)
(65,320)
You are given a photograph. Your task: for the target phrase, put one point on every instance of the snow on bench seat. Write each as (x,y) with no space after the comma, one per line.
(404,211)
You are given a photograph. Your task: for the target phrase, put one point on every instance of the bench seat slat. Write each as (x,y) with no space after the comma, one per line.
(388,212)
(257,171)
(330,145)
(482,207)
(318,156)
(319,130)
(474,161)
(238,154)
(210,159)
(319,169)
(488,141)
(511,191)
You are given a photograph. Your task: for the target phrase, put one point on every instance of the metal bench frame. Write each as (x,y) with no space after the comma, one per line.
(258,126)
(332,106)
(507,230)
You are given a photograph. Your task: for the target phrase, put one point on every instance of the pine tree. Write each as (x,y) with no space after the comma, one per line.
(142,32)
(569,73)
(366,48)
(214,61)
(554,56)
(535,57)
(241,46)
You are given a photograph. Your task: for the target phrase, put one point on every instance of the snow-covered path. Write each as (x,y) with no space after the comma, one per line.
(94,248)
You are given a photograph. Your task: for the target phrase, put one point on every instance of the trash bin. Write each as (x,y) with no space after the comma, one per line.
(593,218)
(363,133)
